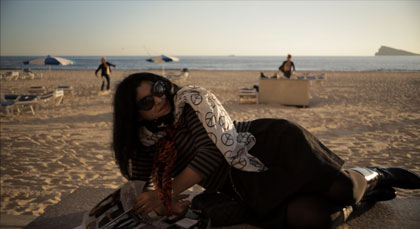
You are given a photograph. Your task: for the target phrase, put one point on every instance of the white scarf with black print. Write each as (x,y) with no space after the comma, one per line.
(216,121)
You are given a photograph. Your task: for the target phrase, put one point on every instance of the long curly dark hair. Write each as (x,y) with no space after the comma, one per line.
(126,117)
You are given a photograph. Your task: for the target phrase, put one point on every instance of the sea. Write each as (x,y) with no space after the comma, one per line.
(263,63)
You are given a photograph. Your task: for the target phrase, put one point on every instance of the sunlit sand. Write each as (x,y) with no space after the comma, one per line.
(367,118)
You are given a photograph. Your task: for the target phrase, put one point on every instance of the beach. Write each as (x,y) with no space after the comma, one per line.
(367,118)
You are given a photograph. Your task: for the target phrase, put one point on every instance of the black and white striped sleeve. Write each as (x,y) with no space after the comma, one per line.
(207,157)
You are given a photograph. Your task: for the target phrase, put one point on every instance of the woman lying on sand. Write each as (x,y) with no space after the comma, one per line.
(274,168)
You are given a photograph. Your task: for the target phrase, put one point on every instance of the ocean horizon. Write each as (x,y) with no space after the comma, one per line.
(262,63)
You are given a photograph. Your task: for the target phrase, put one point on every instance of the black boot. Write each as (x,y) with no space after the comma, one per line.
(379,194)
(378,177)
(397,177)
(380,182)
(367,202)
(350,212)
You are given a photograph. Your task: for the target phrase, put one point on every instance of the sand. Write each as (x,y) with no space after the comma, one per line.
(367,118)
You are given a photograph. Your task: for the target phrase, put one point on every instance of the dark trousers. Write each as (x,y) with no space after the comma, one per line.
(304,186)
(314,206)
(318,209)
(103,82)
(287,74)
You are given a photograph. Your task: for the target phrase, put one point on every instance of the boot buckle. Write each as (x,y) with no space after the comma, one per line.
(367,173)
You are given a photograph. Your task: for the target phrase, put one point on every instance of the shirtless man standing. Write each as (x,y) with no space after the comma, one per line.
(286,67)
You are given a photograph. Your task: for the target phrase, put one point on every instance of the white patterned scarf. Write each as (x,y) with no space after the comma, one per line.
(233,145)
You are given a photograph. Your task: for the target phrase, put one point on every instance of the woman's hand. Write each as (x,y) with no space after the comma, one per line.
(146,202)
(179,206)
(149,201)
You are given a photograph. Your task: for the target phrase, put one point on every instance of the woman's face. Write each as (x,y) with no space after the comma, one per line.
(161,106)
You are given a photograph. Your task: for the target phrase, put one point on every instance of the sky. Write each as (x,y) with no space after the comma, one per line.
(180,28)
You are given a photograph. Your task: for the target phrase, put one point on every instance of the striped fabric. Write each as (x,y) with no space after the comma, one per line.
(195,150)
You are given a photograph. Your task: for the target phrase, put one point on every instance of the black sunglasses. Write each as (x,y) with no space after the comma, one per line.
(147,103)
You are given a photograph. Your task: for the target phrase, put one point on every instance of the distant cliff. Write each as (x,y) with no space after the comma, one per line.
(388,51)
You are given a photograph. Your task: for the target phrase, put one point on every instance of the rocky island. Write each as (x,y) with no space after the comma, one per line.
(388,51)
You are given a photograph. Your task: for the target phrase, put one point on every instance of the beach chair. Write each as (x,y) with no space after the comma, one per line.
(180,78)
(11,75)
(30,101)
(320,77)
(38,75)
(7,105)
(26,75)
(27,70)
(248,95)
(37,90)
(33,102)
(68,90)
(21,76)
(53,98)
(23,101)
(310,78)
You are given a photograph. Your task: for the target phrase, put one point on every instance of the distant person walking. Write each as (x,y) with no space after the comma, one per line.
(105,67)
(287,66)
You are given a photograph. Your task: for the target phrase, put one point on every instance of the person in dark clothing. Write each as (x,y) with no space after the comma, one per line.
(176,137)
(287,66)
(105,68)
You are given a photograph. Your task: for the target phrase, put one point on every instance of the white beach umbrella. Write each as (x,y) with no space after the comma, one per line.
(163,59)
(49,60)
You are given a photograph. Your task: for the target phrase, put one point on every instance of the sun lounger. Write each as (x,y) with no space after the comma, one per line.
(68,90)
(30,101)
(29,74)
(7,105)
(11,76)
(180,78)
(21,76)
(320,77)
(53,98)
(26,75)
(38,75)
(9,97)
(313,79)
(309,77)
(37,90)
(33,102)
(248,95)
